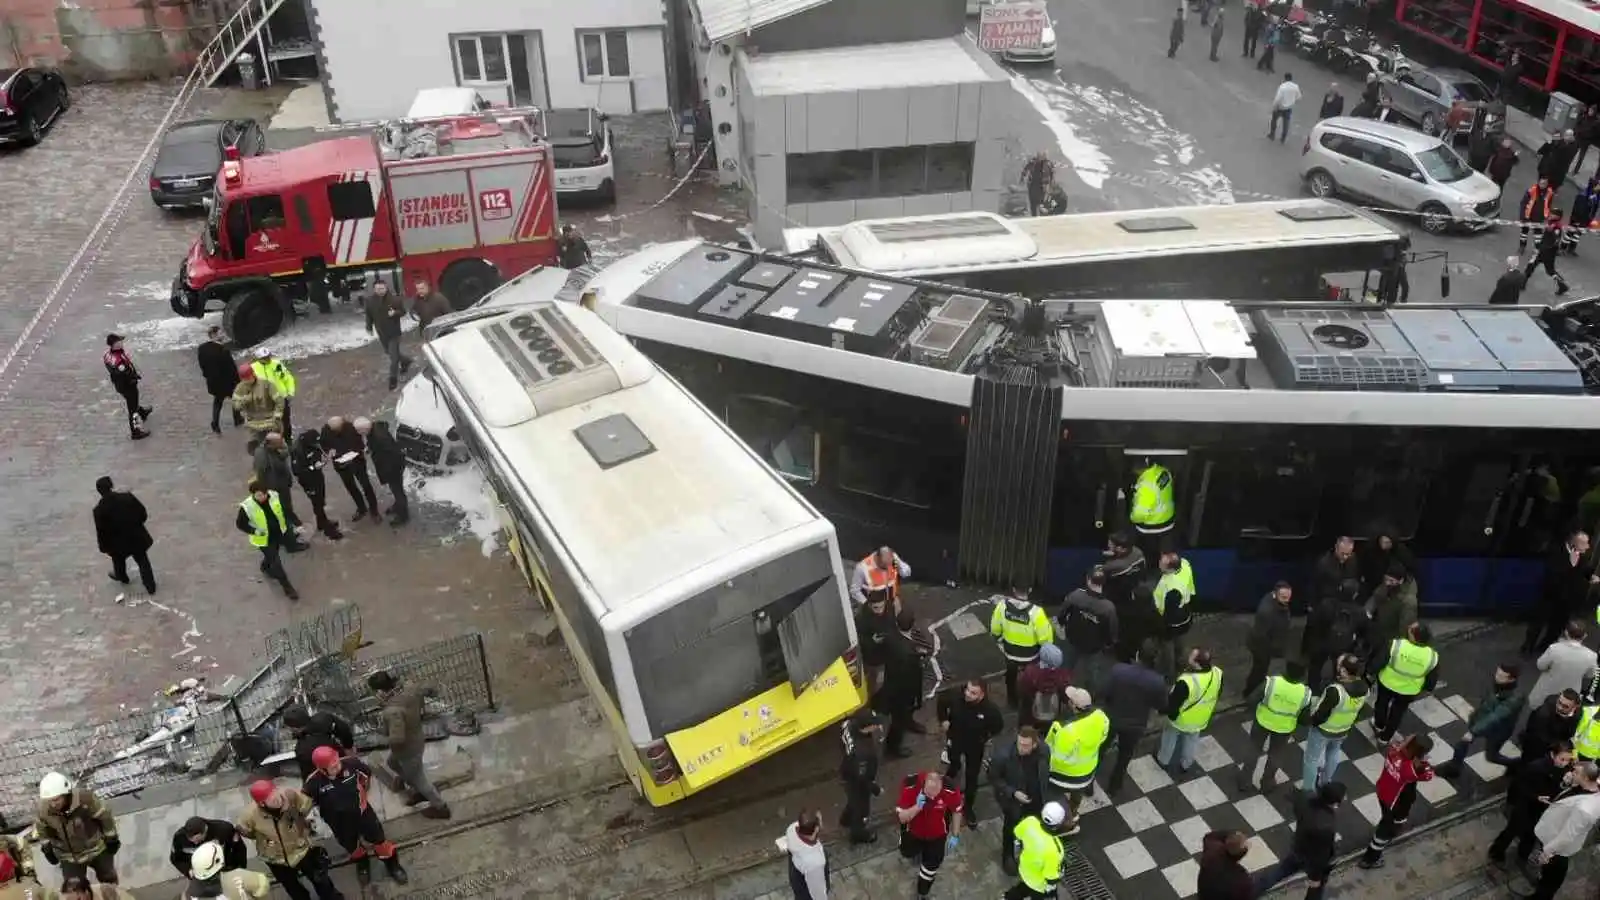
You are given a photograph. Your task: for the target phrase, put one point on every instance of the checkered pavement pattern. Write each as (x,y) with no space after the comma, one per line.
(1146,840)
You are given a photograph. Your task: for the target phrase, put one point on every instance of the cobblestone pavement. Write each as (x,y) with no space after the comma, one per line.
(73,652)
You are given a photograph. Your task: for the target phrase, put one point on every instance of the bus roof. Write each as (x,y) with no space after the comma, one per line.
(1119,360)
(952,243)
(640,485)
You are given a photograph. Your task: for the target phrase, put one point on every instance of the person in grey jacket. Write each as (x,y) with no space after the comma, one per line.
(1565,664)
(1018,771)
(275,469)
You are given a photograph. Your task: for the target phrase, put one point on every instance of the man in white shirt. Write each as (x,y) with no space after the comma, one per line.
(1282,107)
(1563,830)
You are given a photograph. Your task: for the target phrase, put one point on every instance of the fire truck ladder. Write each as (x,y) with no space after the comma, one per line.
(234,36)
(533,116)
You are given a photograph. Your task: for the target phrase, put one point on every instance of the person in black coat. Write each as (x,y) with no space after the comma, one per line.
(1269,634)
(1564,594)
(1508,287)
(1337,574)
(1528,794)
(901,695)
(1175,35)
(119,528)
(1555,720)
(1332,103)
(221,373)
(197,831)
(1382,548)
(308,460)
(310,731)
(389,464)
(347,449)
(1555,158)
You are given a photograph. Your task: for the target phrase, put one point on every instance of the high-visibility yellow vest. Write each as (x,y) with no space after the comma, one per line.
(1344,714)
(1281,704)
(1075,746)
(1026,629)
(1586,740)
(1181,581)
(1152,509)
(258,517)
(1042,855)
(1408,667)
(274,371)
(1204,689)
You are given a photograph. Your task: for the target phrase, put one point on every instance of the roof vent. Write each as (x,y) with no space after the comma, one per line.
(613,440)
(1153,224)
(1338,349)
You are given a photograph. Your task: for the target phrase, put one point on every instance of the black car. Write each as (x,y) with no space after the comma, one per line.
(31,100)
(191,153)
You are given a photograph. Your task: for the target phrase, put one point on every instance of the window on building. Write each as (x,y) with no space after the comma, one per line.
(885,172)
(350,200)
(482,57)
(605,54)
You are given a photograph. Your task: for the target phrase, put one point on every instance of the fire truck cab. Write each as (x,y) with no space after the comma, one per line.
(461,202)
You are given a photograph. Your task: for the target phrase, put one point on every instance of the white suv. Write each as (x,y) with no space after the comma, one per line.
(1397,168)
(581,139)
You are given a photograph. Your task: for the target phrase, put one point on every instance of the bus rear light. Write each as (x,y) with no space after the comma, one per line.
(852,662)
(657,757)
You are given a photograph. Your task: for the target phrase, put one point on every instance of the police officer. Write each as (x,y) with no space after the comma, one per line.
(310,731)
(883,569)
(1548,248)
(1284,699)
(340,788)
(262,520)
(1075,743)
(125,379)
(1040,854)
(308,460)
(1331,720)
(1089,624)
(77,832)
(1172,594)
(1406,667)
(1189,707)
(1586,740)
(1152,510)
(276,821)
(212,876)
(859,772)
(968,724)
(277,374)
(1021,627)
(198,832)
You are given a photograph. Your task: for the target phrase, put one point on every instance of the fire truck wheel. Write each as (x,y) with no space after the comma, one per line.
(251,317)
(466,281)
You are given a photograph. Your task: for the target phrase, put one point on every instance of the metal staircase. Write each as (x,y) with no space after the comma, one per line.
(233,38)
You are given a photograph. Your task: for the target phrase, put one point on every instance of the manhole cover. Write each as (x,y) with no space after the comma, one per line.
(1462,268)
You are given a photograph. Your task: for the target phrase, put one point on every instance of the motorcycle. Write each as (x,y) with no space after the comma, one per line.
(1380,60)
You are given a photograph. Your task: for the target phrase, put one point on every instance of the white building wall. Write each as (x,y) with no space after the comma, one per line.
(377,55)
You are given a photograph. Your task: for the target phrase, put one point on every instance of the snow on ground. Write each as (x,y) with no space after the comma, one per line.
(314,335)
(467,492)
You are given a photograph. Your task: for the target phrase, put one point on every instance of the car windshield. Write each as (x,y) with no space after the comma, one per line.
(213,222)
(1443,165)
(1470,91)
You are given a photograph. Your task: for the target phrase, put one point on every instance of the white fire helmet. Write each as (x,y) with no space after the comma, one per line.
(206,861)
(1053,814)
(53,785)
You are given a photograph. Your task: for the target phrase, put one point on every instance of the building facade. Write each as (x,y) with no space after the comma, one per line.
(829,111)
(376,55)
(108,39)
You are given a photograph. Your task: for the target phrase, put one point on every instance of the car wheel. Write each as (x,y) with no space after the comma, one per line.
(31,132)
(1322,184)
(1435,218)
(608,191)
(1430,124)
(66,98)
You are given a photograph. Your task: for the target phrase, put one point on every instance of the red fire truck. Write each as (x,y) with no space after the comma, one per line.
(461,202)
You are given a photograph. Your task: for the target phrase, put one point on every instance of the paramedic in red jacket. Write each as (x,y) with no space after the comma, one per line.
(1404,764)
(930,820)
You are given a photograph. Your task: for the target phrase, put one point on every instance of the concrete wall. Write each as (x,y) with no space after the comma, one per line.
(96,40)
(374,72)
(775,127)
(843,23)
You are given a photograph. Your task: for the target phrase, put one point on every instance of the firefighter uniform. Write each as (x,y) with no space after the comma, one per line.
(342,799)
(282,836)
(21,857)
(1283,701)
(1040,858)
(1021,627)
(80,836)
(1586,740)
(1401,680)
(272,370)
(1074,748)
(261,405)
(1152,510)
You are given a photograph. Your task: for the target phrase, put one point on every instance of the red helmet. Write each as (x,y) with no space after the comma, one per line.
(324,756)
(246,373)
(262,791)
(8,867)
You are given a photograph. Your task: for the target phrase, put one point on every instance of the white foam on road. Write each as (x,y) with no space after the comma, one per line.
(1088,162)
(467,491)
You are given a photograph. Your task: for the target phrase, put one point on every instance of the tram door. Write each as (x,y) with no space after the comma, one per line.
(1482,541)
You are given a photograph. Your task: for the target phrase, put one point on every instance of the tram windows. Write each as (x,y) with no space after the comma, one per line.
(1278,495)
(1388,490)
(1472,508)
(778,431)
(886,467)
(1085,508)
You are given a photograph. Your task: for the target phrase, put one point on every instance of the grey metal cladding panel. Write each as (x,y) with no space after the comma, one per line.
(771,114)
(1443,340)
(1517,340)
(969,101)
(882,117)
(831,122)
(1009,481)
(933,112)
(795,123)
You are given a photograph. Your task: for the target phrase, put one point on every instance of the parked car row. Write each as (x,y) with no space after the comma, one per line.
(31,101)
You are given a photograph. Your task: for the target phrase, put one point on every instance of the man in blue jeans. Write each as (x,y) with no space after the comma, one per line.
(1493,719)
(1190,705)
(1331,720)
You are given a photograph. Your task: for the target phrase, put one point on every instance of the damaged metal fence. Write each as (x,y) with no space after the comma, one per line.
(191,732)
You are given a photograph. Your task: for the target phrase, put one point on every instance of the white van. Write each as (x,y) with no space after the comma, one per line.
(446,101)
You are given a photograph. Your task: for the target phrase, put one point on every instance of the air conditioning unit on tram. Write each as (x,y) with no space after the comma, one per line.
(1167,343)
(950,332)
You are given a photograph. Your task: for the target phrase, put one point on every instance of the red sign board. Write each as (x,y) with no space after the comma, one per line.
(1013,25)
(494,204)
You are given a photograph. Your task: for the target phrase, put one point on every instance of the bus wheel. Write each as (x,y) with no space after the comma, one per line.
(251,317)
(466,281)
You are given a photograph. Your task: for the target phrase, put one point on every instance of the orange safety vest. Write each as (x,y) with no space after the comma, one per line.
(1532,209)
(879,578)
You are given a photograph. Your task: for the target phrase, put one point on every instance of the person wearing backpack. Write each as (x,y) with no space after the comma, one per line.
(1040,686)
